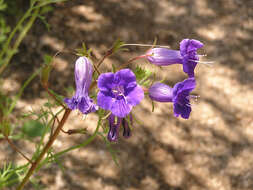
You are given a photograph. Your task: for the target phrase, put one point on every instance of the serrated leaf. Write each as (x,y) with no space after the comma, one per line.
(142,76)
(117,46)
(83,51)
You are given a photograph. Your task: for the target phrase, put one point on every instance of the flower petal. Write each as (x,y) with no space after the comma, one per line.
(187,86)
(188,50)
(105,81)
(104,100)
(126,78)
(83,74)
(189,45)
(114,128)
(183,110)
(126,128)
(161,92)
(189,66)
(83,78)
(86,105)
(164,56)
(71,103)
(135,96)
(120,108)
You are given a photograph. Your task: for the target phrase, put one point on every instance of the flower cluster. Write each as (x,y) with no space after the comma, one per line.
(119,91)
(179,95)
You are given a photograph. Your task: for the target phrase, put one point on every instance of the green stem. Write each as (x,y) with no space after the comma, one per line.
(13,104)
(45,150)
(7,43)
(19,39)
(48,3)
(89,140)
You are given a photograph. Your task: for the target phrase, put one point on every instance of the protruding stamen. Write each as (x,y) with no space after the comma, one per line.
(147,45)
(208,63)
(189,105)
(84,116)
(194,97)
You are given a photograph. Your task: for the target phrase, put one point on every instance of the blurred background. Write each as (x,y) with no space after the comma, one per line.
(210,151)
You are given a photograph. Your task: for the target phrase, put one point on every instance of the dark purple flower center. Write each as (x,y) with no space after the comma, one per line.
(118,91)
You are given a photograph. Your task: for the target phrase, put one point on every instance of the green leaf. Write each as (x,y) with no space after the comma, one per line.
(43,19)
(48,59)
(84,51)
(142,76)
(33,128)
(9,175)
(46,9)
(117,46)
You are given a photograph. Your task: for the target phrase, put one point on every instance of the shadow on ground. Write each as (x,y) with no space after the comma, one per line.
(212,150)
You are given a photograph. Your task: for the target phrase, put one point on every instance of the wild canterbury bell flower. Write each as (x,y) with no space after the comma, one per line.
(115,123)
(83,78)
(187,55)
(179,95)
(119,92)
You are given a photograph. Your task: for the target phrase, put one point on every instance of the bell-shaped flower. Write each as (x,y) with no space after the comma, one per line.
(114,126)
(187,55)
(83,78)
(119,92)
(179,95)
(126,122)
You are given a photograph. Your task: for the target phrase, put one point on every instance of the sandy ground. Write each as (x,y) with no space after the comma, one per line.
(210,151)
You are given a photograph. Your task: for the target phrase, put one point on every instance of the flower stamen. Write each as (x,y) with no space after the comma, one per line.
(208,63)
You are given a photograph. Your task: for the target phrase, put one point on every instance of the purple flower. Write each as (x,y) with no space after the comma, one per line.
(188,50)
(115,123)
(83,77)
(179,95)
(126,128)
(187,55)
(164,56)
(119,92)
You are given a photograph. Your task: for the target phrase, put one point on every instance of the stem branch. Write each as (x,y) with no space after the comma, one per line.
(131,60)
(16,148)
(45,150)
(53,96)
